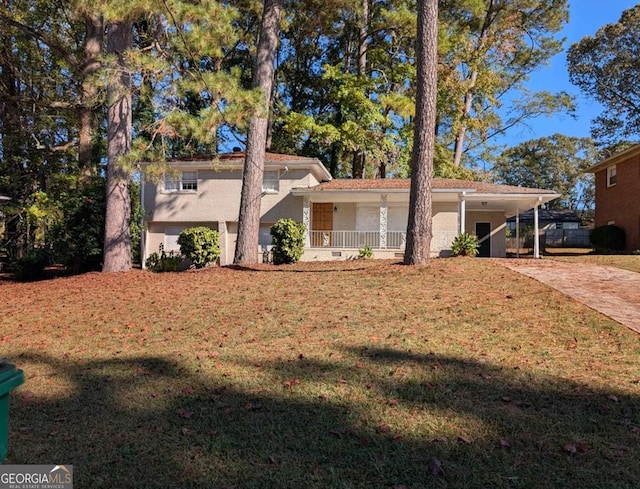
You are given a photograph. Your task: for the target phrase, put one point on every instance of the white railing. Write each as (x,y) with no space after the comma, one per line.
(356,239)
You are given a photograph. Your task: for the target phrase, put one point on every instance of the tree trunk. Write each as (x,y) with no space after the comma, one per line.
(94,33)
(419,229)
(359,156)
(117,239)
(249,219)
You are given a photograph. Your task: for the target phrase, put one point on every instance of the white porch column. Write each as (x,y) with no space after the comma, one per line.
(224,243)
(463,212)
(536,237)
(517,233)
(383,221)
(306,220)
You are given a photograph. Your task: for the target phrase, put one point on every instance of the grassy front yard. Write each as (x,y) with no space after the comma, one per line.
(627,262)
(361,374)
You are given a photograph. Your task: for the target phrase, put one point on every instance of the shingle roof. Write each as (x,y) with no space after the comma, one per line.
(238,157)
(438,184)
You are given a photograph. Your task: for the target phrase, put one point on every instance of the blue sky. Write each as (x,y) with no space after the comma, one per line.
(585,18)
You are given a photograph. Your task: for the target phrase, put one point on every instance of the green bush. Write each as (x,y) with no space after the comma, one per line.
(288,241)
(200,245)
(78,238)
(365,253)
(163,262)
(608,238)
(465,245)
(31,265)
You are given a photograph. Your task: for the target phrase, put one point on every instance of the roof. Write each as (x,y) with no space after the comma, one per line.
(550,215)
(236,160)
(239,156)
(616,158)
(438,184)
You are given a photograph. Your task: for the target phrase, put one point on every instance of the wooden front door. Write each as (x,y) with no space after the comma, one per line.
(321,220)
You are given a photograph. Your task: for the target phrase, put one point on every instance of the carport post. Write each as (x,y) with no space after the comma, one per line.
(517,233)
(536,240)
(463,211)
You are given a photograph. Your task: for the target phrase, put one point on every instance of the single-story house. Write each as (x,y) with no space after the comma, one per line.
(547,219)
(341,216)
(617,181)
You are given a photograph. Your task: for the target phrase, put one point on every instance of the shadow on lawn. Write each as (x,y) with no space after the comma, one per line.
(148,422)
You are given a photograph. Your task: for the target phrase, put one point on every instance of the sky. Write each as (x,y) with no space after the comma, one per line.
(585,18)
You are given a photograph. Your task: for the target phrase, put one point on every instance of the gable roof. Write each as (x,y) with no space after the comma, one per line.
(615,159)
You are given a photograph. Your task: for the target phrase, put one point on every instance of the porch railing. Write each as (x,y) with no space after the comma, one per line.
(356,239)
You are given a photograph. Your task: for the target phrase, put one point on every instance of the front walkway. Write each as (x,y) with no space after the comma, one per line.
(608,290)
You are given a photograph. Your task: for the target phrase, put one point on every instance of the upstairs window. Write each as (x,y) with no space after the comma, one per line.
(271,182)
(185,181)
(612,176)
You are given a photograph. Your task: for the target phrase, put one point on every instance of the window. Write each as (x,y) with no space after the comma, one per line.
(271,182)
(611,176)
(184,181)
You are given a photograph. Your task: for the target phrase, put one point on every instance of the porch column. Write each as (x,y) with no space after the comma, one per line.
(536,237)
(306,220)
(383,221)
(463,212)
(517,233)
(224,242)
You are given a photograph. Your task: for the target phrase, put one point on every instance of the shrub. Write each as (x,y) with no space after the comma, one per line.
(465,245)
(163,262)
(31,265)
(200,245)
(365,253)
(288,241)
(609,237)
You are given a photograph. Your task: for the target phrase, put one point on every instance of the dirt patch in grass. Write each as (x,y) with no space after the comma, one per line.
(329,375)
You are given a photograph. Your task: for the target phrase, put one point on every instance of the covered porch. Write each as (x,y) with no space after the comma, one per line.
(345,216)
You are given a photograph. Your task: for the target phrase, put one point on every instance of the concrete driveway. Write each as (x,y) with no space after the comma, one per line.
(608,290)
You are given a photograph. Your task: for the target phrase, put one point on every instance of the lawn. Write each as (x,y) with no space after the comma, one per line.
(627,262)
(363,374)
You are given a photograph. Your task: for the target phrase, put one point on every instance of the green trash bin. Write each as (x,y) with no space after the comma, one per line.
(10,378)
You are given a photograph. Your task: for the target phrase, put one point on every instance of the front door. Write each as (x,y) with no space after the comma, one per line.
(321,220)
(483,232)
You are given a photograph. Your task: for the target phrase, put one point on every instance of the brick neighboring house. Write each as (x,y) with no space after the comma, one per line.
(617,181)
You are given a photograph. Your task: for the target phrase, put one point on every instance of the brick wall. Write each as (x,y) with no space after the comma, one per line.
(620,203)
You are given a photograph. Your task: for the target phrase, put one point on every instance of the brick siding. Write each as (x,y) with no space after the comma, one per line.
(621,203)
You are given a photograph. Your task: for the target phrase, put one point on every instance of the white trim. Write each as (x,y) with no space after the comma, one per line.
(612,175)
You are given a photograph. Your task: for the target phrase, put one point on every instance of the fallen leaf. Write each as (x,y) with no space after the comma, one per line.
(337,433)
(464,440)
(613,398)
(435,467)
(383,428)
(392,402)
(184,413)
(504,443)
(570,447)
